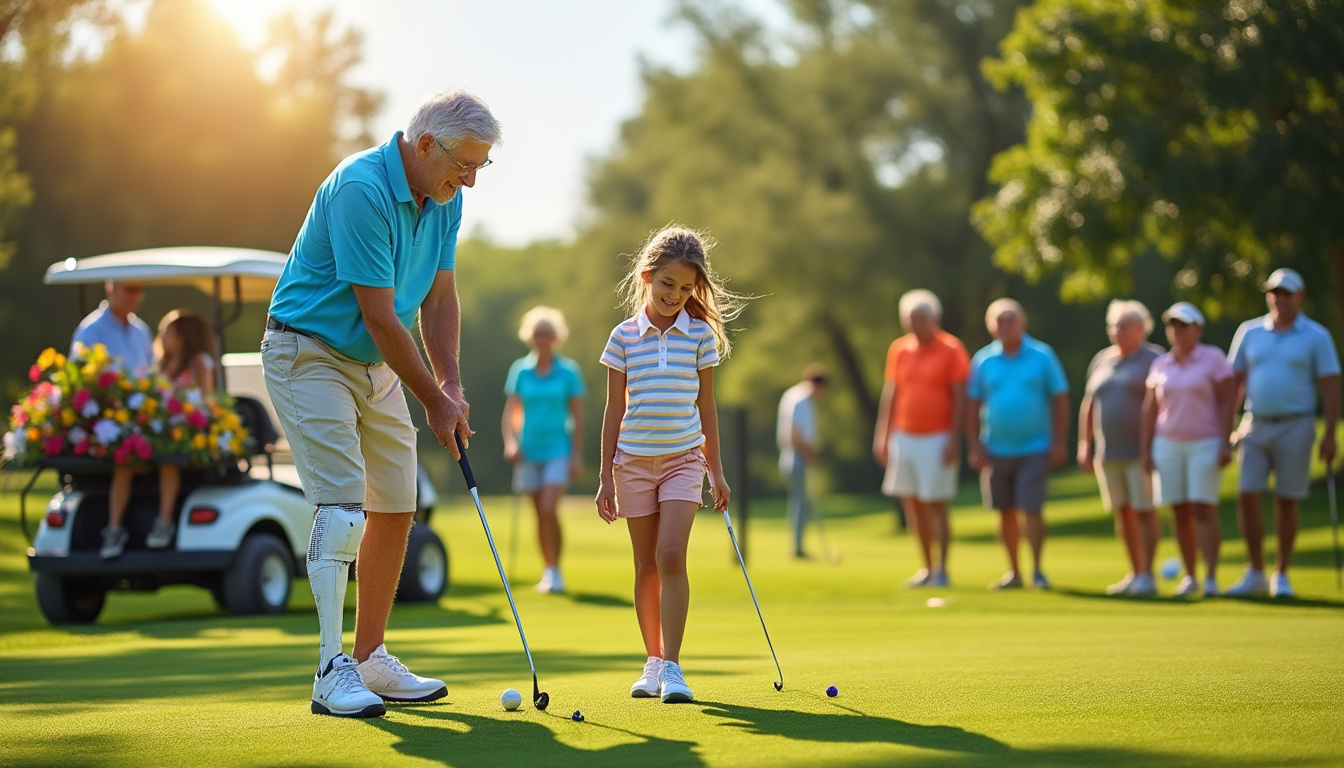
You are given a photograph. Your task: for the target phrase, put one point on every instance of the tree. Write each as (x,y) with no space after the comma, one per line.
(1212,133)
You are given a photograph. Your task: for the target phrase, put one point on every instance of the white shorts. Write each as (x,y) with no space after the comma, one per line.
(1187,472)
(915,467)
(532,476)
(1124,484)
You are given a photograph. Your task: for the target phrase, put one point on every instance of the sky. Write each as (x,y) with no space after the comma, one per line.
(561,75)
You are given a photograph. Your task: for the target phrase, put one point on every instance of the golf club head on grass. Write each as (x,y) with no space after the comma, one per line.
(779,686)
(540,699)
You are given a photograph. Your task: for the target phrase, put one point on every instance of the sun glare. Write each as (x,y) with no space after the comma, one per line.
(250,18)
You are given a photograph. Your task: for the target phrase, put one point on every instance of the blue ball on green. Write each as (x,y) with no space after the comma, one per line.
(832,691)
(577,716)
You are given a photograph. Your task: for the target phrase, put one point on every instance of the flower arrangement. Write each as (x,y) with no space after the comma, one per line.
(84,406)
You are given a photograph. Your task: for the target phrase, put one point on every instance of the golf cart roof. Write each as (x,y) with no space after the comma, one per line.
(255,271)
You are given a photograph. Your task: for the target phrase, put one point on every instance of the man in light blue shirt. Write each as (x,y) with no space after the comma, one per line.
(375,253)
(1282,361)
(129,341)
(1017,408)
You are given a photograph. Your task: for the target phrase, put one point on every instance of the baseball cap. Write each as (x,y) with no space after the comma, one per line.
(1287,279)
(1185,312)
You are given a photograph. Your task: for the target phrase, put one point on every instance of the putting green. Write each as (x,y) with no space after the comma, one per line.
(1064,678)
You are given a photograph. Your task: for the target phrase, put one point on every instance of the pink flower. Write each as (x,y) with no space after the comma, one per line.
(82,447)
(123,453)
(197,420)
(81,397)
(142,448)
(107,379)
(20,417)
(53,445)
(34,373)
(174,406)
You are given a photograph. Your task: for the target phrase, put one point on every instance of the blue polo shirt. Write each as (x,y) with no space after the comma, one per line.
(1015,393)
(364,228)
(547,426)
(1281,367)
(129,344)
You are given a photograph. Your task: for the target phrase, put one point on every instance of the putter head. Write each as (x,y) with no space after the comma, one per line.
(779,686)
(541,701)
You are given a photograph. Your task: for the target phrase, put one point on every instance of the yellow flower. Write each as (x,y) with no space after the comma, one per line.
(68,417)
(47,358)
(187,407)
(146,383)
(176,433)
(123,416)
(34,434)
(198,442)
(150,406)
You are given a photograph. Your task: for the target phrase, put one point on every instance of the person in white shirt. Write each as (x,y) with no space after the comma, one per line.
(796,434)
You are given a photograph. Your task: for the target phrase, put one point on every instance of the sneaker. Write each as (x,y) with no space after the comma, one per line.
(551,582)
(920,579)
(646,687)
(1280,587)
(1211,587)
(114,542)
(389,679)
(1009,580)
(1187,588)
(1142,585)
(338,691)
(1121,587)
(1253,584)
(672,685)
(937,579)
(161,535)
(1038,581)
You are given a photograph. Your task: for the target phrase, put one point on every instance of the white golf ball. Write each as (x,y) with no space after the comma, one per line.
(510,698)
(936,602)
(1171,568)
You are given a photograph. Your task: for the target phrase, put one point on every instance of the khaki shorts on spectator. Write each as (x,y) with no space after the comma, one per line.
(644,482)
(1124,484)
(1015,482)
(532,476)
(1279,446)
(1187,472)
(915,467)
(346,422)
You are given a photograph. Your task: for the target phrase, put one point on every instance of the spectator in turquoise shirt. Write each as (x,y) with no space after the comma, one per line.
(1017,407)
(543,429)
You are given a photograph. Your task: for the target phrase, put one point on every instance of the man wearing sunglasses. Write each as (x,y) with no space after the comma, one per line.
(1283,361)
(114,324)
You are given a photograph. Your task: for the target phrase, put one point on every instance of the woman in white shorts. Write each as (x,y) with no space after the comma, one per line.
(1186,422)
(543,429)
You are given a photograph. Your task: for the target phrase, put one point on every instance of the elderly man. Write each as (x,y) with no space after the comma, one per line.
(1282,361)
(1018,401)
(114,325)
(375,252)
(918,432)
(797,438)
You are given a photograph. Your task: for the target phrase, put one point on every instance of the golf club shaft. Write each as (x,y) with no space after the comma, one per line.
(513,536)
(752,590)
(1334,523)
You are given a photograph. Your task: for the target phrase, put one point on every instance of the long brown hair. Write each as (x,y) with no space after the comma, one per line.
(710,299)
(196,339)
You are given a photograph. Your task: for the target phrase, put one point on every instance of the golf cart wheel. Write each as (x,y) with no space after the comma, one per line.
(424,574)
(261,577)
(70,600)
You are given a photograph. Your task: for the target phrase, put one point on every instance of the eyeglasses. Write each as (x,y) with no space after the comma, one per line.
(458,163)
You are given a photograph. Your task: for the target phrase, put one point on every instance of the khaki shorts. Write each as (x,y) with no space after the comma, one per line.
(915,467)
(1124,484)
(1281,446)
(346,422)
(644,482)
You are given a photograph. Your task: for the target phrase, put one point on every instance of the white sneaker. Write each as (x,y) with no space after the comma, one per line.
(1187,588)
(646,687)
(1009,580)
(1253,584)
(920,579)
(161,535)
(338,691)
(551,582)
(672,685)
(1280,587)
(388,678)
(937,579)
(1211,587)
(114,543)
(1142,585)
(1038,581)
(1121,587)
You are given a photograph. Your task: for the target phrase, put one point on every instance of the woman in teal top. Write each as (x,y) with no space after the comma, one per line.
(543,429)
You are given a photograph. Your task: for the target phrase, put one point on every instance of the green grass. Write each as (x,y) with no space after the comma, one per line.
(1063,678)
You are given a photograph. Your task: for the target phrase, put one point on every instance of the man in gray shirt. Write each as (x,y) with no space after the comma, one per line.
(113,324)
(1282,361)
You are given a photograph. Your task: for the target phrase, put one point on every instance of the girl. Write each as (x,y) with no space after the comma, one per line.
(660,433)
(543,429)
(183,352)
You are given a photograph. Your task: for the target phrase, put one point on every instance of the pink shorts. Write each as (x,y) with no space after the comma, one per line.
(644,482)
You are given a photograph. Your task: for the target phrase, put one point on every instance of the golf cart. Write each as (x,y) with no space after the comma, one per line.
(242,525)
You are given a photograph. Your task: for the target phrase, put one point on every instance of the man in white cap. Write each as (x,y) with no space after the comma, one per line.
(1283,360)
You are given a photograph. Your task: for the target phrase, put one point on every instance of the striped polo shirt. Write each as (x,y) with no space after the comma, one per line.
(662,382)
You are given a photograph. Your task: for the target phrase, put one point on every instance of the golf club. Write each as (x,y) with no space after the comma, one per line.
(779,685)
(832,556)
(1334,522)
(513,536)
(540,698)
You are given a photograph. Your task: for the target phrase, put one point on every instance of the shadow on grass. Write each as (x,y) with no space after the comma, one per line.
(600,600)
(1180,602)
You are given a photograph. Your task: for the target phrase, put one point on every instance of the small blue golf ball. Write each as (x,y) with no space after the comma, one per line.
(832,691)
(577,716)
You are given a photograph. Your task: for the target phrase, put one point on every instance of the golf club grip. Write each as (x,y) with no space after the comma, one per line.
(463,463)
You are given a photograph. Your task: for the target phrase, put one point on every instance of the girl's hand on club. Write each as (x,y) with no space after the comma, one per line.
(721,492)
(606,501)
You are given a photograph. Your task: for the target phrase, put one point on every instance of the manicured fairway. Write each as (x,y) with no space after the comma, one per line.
(1064,678)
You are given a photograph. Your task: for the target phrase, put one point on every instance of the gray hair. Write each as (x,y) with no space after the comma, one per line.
(998,307)
(452,116)
(920,300)
(1119,309)
(543,317)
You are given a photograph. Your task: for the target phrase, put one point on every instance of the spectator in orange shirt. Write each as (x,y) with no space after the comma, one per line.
(919,423)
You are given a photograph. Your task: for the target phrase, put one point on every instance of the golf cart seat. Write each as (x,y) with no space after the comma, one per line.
(258,424)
